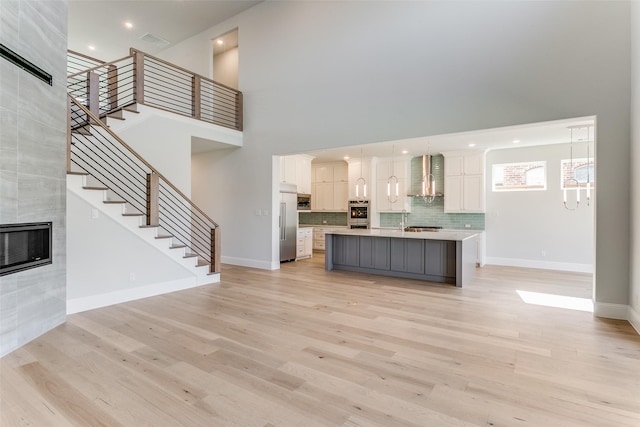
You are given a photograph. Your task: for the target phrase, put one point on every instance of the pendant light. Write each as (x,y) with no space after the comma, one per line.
(571,180)
(361,183)
(393,181)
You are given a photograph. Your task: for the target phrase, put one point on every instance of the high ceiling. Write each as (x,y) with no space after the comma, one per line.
(101,23)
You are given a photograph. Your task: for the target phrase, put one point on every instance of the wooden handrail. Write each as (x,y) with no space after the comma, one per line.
(86,56)
(133,51)
(97,67)
(96,120)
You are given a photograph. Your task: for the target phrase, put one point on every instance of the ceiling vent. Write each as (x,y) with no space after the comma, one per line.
(155,40)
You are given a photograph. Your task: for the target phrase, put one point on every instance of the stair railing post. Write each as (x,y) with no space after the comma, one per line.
(153,199)
(112,87)
(93,93)
(195,97)
(138,76)
(239,109)
(214,266)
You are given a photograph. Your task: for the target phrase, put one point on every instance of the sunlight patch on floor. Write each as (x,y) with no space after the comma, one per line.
(559,301)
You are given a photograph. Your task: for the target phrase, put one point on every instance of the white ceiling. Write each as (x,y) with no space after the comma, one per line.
(554,132)
(100,23)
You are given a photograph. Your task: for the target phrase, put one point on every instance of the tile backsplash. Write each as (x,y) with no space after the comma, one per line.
(322,218)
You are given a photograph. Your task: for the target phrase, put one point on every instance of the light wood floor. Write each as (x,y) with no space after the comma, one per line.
(305,347)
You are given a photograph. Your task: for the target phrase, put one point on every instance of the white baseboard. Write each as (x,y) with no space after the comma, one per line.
(544,265)
(611,311)
(247,262)
(78,305)
(634,319)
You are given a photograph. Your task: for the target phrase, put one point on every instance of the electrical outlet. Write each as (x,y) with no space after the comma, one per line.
(265,212)
(543,253)
(258,212)
(467,226)
(95,213)
(132,277)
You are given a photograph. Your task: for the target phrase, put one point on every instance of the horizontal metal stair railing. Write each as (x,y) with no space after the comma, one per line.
(144,79)
(94,149)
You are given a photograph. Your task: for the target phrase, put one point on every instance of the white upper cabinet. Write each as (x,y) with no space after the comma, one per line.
(358,168)
(464,182)
(401,168)
(329,187)
(296,169)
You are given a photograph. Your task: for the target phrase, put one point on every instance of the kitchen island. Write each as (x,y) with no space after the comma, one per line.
(443,256)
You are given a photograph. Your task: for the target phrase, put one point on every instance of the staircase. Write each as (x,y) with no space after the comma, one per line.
(110,176)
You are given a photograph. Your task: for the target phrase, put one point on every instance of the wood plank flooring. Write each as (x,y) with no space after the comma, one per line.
(305,347)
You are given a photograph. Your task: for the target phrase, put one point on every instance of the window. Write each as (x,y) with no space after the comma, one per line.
(524,176)
(583,171)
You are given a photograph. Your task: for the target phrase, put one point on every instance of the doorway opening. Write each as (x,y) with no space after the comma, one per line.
(225,59)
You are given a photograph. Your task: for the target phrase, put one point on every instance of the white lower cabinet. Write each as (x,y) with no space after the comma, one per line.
(318,236)
(304,243)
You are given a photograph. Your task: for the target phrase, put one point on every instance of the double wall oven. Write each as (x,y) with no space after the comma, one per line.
(359,214)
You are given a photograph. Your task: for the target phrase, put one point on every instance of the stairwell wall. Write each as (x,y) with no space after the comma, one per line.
(33,126)
(322,75)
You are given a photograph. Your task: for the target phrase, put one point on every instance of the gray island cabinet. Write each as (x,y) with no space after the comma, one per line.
(446,257)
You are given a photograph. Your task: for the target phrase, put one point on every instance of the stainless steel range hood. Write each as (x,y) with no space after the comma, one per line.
(428,179)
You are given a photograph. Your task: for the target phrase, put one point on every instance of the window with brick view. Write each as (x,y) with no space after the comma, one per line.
(582,170)
(524,176)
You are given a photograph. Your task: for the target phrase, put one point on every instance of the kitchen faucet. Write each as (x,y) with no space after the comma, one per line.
(403,219)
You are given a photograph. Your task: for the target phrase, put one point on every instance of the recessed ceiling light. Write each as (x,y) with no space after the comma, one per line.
(472,144)
(516,141)
(91,47)
(129,25)
(346,157)
(404,151)
(220,41)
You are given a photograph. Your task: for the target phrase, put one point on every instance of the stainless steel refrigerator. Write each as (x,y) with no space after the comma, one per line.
(288,221)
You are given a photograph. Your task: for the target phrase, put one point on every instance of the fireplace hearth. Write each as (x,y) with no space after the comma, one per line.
(24,246)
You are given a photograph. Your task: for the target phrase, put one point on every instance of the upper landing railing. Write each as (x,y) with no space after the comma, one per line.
(144,79)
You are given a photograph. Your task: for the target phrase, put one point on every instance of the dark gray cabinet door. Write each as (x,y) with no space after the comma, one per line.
(407,255)
(450,259)
(346,250)
(433,257)
(374,252)
(440,258)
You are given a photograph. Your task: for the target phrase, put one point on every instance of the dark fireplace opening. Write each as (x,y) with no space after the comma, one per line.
(24,246)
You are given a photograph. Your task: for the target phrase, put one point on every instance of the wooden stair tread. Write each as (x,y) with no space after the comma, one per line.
(190,255)
(202,263)
(148,226)
(177,246)
(114,202)
(77,173)
(95,188)
(132,214)
(164,236)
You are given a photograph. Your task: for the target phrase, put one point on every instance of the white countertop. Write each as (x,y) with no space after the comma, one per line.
(424,235)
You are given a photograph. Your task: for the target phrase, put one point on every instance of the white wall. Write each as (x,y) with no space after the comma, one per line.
(634,294)
(326,74)
(521,225)
(225,68)
(102,255)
